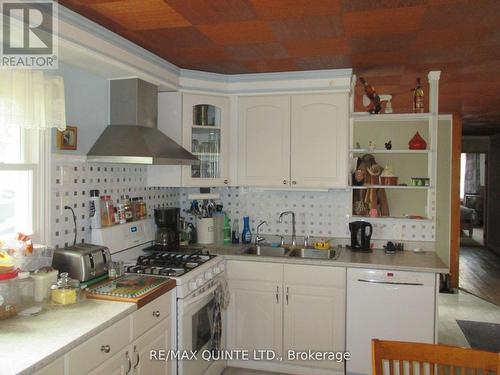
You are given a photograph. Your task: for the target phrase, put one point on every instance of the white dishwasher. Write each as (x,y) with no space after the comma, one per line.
(388,305)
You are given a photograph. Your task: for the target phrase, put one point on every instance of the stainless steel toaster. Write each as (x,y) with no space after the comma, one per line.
(83,261)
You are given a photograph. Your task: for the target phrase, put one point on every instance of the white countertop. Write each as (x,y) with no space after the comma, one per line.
(30,343)
(427,261)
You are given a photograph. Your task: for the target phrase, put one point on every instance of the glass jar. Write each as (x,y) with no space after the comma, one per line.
(65,291)
(125,200)
(136,208)
(120,217)
(143,208)
(9,296)
(26,289)
(107,211)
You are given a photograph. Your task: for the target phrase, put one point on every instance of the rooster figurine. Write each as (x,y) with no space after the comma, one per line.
(372,96)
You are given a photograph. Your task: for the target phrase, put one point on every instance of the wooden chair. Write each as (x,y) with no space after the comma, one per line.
(418,359)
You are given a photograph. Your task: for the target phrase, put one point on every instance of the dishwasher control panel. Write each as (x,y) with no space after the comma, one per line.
(390,276)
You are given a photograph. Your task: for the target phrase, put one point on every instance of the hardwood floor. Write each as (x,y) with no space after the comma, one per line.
(480,273)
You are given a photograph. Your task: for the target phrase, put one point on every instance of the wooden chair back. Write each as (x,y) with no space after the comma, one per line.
(408,358)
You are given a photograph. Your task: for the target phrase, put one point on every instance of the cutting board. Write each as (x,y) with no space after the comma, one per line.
(138,289)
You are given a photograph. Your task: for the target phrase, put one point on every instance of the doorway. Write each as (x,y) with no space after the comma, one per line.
(479,270)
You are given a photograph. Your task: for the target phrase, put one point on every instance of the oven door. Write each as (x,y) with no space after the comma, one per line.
(196,325)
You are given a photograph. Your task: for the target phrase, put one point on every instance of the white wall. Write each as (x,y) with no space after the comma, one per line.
(86,106)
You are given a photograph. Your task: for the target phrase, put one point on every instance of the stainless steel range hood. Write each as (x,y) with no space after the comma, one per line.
(133,137)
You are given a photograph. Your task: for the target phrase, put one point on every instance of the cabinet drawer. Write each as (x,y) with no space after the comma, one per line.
(152,313)
(261,271)
(54,368)
(95,351)
(315,275)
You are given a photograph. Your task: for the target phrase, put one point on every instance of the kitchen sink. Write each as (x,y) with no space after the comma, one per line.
(267,251)
(315,254)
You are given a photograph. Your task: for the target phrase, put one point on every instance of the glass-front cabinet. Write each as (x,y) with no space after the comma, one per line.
(205,134)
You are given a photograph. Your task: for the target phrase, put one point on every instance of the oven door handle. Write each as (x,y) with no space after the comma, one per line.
(201,296)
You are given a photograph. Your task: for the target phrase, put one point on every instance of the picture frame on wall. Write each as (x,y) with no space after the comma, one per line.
(68,139)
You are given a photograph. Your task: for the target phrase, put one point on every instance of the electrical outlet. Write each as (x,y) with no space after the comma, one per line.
(63,201)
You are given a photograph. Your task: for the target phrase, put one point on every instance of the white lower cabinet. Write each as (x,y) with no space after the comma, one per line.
(314,312)
(255,316)
(119,364)
(135,358)
(124,348)
(56,367)
(287,308)
(158,338)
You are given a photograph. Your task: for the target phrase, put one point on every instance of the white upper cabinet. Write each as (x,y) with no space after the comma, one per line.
(319,128)
(264,141)
(205,132)
(297,141)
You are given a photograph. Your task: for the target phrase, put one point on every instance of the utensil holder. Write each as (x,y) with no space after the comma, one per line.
(205,230)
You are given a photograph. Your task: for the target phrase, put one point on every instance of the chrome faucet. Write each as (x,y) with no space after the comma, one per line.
(294,237)
(258,237)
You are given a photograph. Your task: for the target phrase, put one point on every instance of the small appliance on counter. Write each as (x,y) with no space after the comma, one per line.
(82,262)
(167,220)
(361,233)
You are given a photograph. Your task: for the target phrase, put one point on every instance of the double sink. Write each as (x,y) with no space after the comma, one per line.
(269,251)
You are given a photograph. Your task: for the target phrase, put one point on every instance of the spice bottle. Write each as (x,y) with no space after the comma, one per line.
(125,200)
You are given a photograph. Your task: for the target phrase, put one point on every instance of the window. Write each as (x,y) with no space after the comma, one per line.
(18,181)
(31,103)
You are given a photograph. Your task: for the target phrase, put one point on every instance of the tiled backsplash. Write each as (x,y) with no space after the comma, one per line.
(318,213)
(72,180)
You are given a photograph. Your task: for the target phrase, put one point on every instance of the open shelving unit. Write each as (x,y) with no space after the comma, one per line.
(405,199)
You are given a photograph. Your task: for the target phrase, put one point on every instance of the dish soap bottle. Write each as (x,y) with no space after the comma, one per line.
(235,238)
(227,229)
(246,235)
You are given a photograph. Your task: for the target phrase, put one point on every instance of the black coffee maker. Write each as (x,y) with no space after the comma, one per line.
(167,221)
(361,233)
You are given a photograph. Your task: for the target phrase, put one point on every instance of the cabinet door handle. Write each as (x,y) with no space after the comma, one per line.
(105,348)
(284,182)
(287,295)
(226,182)
(294,182)
(156,314)
(277,294)
(137,358)
(129,363)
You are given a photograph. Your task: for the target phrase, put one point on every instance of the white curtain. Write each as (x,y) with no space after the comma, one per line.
(31,99)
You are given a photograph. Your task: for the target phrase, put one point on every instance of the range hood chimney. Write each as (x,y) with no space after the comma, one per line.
(133,136)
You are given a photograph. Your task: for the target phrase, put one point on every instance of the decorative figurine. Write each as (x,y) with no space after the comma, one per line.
(418,97)
(417,143)
(371,146)
(388,145)
(388,105)
(372,96)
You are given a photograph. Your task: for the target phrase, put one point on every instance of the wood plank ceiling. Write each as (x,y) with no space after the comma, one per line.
(389,42)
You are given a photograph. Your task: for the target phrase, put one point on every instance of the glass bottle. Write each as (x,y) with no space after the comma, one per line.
(246,235)
(418,98)
(235,238)
(227,229)
(129,215)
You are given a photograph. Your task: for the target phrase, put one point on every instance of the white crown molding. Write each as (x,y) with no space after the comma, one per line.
(91,46)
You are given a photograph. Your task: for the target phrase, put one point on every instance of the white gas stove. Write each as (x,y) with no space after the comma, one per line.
(198,274)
